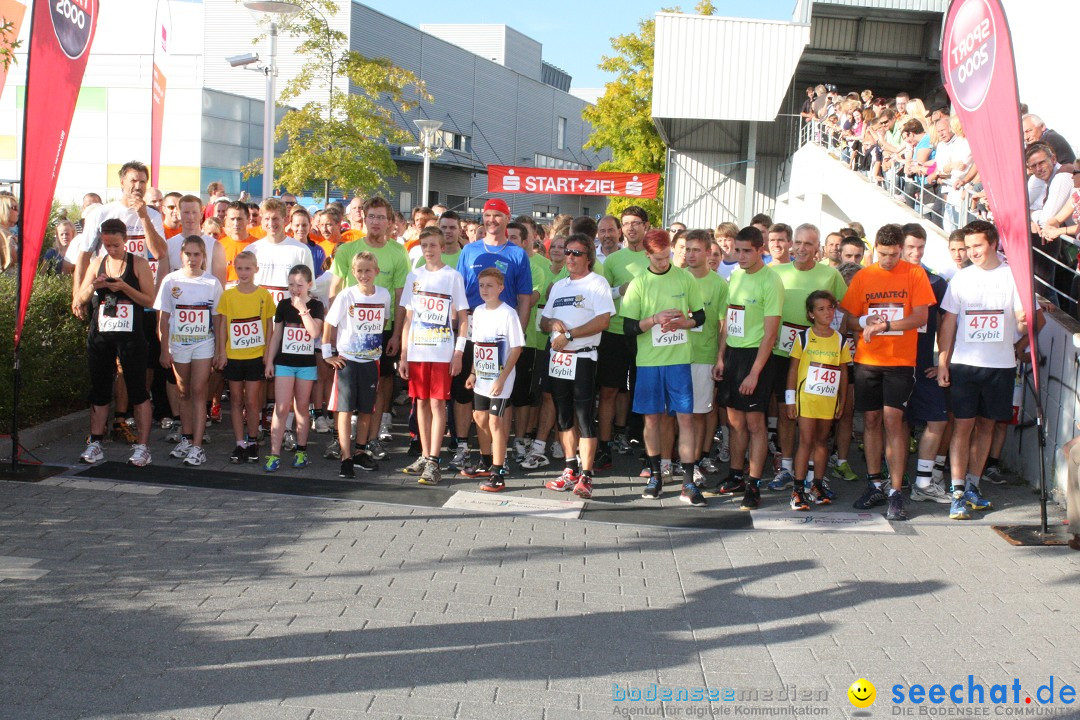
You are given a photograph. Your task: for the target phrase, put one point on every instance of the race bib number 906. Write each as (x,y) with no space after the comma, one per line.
(431,309)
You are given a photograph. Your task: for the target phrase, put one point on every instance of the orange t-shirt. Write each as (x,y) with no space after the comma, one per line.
(172,232)
(350,235)
(894,294)
(257,232)
(233,247)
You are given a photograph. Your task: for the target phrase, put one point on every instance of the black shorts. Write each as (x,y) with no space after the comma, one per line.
(355,387)
(251,370)
(981,392)
(492,406)
(929,401)
(777,367)
(522,395)
(575,399)
(102,353)
(388,363)
(539,374)
(458,392)
(613,362)
(878,387)
(738,362)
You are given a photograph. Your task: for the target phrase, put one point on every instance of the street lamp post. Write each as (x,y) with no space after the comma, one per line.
(428,128)
(273,9)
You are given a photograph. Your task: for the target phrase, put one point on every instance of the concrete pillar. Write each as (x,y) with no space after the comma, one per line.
(751,175)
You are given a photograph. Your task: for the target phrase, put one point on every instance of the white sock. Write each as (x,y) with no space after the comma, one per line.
(809,474)
(539,446)
(665,463)
(387,419)
(972,480)
(939,469)
(923,476)
(787,464)
(724,435)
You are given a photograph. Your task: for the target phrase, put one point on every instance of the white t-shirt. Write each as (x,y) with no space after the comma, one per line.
(575,302)
(724,269)
(494,334)
(275,262)
(190,303)
(360,320)
(432,300)
(176,244)
(985,302)
(90,238)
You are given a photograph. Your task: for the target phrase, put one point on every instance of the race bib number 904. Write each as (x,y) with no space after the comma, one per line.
(368,319)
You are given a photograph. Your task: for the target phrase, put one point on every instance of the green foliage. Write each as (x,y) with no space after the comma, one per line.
(54,373)
(71,211)
(8,43)
(343,138)
(622,117)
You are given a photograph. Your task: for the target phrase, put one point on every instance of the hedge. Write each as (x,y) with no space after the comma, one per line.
(55,379)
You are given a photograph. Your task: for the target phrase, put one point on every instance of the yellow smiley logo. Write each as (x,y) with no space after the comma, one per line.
(862,693)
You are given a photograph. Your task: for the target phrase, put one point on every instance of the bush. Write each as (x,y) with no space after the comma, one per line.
(55,379)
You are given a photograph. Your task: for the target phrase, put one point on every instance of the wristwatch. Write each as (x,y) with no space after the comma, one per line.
(568,336)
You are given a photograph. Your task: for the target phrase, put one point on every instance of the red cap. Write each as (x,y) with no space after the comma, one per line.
(498,205)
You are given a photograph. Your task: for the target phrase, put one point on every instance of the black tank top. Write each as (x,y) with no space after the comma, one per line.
(115,315)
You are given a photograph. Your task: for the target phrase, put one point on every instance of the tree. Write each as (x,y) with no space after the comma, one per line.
(342,140)
(622,117)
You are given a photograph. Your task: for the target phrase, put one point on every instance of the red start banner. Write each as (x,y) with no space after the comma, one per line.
(544,181)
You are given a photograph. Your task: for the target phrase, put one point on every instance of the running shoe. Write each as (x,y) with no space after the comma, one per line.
(994,476)
(691,495)
(666,473)
(723,452)
(365,462)
(751,498)
(479,469)
(322,424)
(783,479)
(495,483)
(896,510)
(195,456)
(215,412)
(461,457)
(346,470)
(166,423)
(843,470)
(564,482)
(603,460)
(520,449)
(621,445)
(122,433)
(375,447)
(871,497)
(252,450)
(645,473)
(958,509)
(708,465)
(653,489)
(385,433)
(557,451)
(181,449)
(271,463)
(975,500)
(92,454)
(300,459)
(820,494)
(431,474)
(333,450)
(239,455)
(677,468)
(288,441)
(728,486)
(799,500)
(174,434)
(417,467)
(140,455)
(931,493)
(699,477)
(535,460)
(583,489)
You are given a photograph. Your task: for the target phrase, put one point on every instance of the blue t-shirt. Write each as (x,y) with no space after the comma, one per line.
(509,259)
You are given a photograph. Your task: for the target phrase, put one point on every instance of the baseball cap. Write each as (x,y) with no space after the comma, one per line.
(498,205)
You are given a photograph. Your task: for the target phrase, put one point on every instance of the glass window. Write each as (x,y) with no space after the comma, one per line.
(560,139)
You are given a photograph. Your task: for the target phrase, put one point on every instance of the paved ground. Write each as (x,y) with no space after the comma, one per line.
(130,600)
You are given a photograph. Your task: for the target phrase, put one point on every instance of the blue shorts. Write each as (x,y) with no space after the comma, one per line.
(668,388)
(929,401)
(300,373)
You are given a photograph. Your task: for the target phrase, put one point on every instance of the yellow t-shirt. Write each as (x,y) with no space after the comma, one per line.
(248,322)
(823,365)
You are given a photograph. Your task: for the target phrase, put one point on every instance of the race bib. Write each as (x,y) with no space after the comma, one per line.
(849,343)
(562,365)
(837,319)
(136,244)
(984,326)
(736,321)
(297,341)
(890,311)
(468,332)
(539,314)
(278,293)
(486,360)
(367,319)
(822,380)
(124,321)
(192,322)
(153,268)
(246,334)
(431,309)
(669,338)
(786,339)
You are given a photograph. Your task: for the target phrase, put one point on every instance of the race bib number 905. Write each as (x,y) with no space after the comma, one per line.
(296,340)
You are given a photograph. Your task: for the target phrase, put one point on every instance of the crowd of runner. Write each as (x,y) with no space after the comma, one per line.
(756,348)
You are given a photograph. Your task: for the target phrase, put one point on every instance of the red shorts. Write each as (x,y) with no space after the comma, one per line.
(429,381)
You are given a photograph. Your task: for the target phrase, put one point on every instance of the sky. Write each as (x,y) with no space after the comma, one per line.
(574,34)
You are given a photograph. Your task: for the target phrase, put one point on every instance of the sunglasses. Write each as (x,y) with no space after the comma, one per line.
(576,253)
(289,204)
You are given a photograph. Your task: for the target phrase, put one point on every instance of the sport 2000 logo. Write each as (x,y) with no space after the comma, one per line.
(72,21)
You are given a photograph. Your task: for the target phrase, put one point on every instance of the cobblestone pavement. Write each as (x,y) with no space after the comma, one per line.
(139,601)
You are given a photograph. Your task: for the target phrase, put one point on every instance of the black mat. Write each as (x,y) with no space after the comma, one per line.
(1032,535)
(29,473)
(273,484)
(676,517)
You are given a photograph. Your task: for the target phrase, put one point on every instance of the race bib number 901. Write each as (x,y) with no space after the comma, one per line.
(193,321)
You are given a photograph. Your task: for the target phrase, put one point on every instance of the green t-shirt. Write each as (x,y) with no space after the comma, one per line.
(649,294)
(798,284)
(541,281)
(751,298)
(393,266)
(447,258)
(705,340)
(620,267)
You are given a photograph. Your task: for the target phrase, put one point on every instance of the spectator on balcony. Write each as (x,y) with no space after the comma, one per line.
(875,143)
(821,102)
(953,156)
(867,98)
(807,112)
(1049,188)
(1035,130)
(917,111)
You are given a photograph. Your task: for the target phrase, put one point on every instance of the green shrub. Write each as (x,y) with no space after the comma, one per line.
(55,379)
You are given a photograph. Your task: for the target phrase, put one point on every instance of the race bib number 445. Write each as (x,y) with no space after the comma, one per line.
(562,365)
